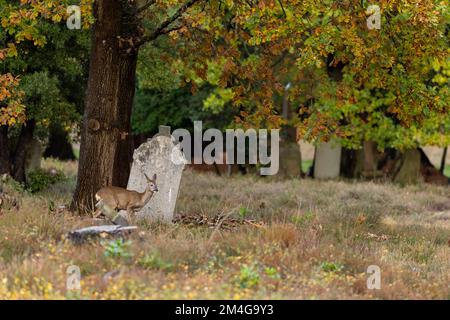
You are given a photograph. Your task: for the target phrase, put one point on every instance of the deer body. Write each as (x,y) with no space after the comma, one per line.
(112,199)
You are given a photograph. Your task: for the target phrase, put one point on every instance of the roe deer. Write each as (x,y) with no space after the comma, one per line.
(112,199)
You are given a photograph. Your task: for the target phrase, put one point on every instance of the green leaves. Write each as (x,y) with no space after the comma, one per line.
(44,100)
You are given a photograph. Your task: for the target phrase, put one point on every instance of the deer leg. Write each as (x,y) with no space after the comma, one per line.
(130,214)
(99,211)
(108,211)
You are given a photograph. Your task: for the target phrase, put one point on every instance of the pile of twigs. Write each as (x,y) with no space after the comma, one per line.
(220,221)
(7,202)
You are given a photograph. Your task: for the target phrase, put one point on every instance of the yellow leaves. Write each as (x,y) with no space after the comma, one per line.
(40,42)
(56,18)
(4,22)
(11,51)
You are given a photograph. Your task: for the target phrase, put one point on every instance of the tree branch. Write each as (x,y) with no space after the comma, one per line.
(162,28)
(146,6)
(282,8)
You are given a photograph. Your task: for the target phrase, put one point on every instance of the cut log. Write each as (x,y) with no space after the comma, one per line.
(81,235)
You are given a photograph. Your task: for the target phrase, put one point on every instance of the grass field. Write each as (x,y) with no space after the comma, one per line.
(307,240)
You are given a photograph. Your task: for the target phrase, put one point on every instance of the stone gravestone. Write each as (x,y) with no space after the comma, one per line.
(160,156)
(327,160)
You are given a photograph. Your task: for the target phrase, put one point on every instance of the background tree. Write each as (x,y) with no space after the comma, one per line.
(51,63)
(350,84)
(379,94)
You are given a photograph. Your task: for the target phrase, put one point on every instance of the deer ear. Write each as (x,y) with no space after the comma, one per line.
(154,177)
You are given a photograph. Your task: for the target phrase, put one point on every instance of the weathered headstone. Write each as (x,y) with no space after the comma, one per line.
(327,161)
(161,156)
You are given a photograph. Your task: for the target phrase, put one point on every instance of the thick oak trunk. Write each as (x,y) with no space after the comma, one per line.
(5,164)
(124,154)
(104,135)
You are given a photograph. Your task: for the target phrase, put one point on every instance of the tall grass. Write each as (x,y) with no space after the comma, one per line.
(316,242)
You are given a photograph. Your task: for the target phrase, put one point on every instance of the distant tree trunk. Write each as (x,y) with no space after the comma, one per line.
(59,146)
(364,162)
(350,161)
(408,167)
(408,171)
(20,154)
(370,159)
(444,156)
(5,162)
(290,155)
(105,132)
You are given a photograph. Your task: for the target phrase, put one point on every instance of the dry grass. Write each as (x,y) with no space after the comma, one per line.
(317,242)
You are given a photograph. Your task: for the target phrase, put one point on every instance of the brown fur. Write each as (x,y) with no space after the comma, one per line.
(115,199)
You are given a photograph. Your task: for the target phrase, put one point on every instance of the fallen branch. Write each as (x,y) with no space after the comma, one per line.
(81,235)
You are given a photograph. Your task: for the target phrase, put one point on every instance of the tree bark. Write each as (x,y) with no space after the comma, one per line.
(370,162)
(351,163)
(124,154)
(20,155)
(290,156)
(109,100)
(5,162)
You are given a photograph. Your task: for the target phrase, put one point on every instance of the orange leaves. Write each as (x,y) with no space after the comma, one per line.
(7,82)
(11,107)
(20,22)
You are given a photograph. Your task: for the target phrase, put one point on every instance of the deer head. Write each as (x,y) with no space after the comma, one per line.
(151,183)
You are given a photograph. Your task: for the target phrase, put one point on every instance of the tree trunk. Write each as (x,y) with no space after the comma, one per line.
(124,154)
(59,146)
(5,164)
(20,155)
(290,156)
(352,163)
(444,157)
(108,102)
(370,162)
(408,171)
